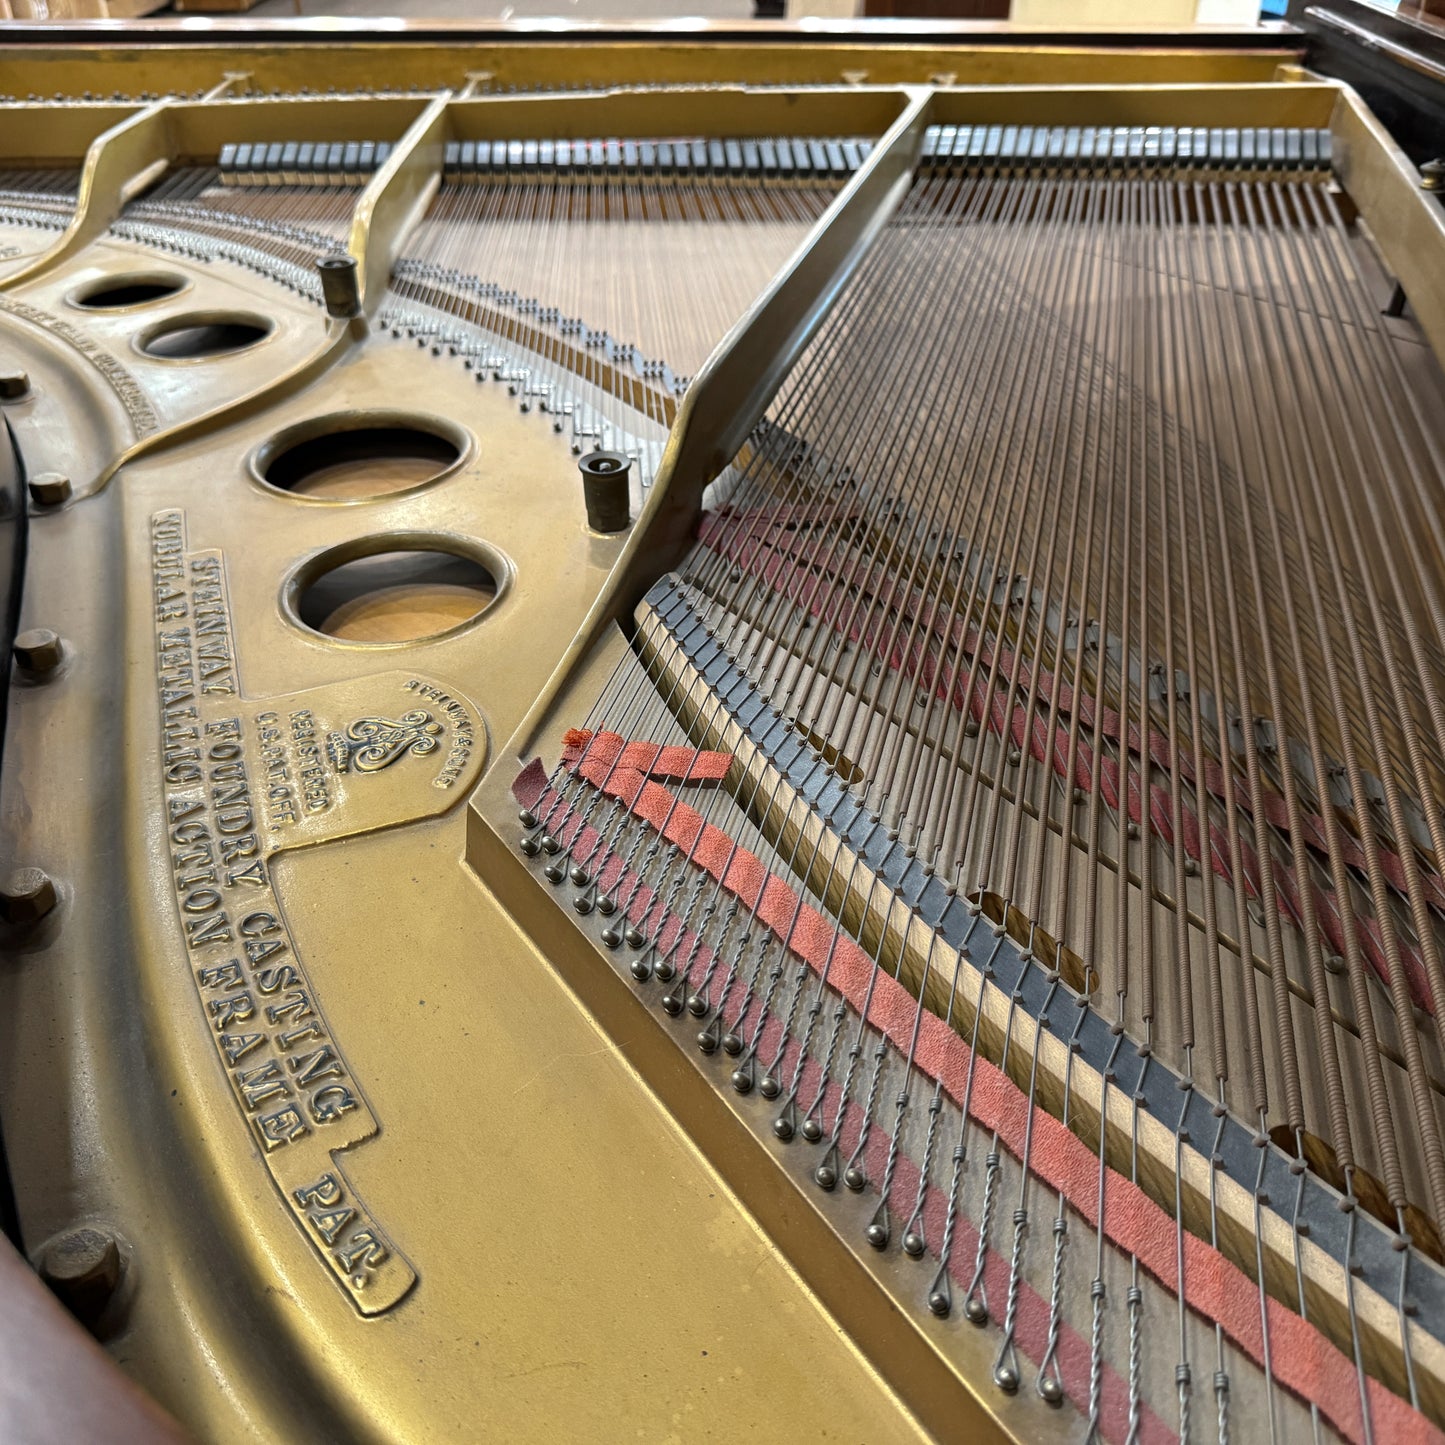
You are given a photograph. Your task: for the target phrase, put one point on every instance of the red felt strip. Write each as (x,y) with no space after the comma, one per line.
(1303,1359)
(653,760)
(687,950)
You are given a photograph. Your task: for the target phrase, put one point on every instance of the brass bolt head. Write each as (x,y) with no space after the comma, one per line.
(50,489)
(1432,175)
(38,651)
(26,896)
(83,1268)
(14,384)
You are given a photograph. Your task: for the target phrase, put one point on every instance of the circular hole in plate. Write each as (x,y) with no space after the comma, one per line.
(199,335)
(363,455)
(395,591)
(131,288)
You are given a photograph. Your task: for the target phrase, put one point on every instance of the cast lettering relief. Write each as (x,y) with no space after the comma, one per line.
(126,387)
(241,780)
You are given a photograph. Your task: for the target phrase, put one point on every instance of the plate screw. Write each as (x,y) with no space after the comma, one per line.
(83,1268)
(14,385)
(1432,175)
(50,489)
(26,896)
(38,651)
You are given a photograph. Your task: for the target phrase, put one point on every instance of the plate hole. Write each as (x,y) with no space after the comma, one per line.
(400,596)
(117,293)
(367,461)
(193,337)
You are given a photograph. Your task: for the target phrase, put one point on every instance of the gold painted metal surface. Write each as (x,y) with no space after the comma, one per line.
(734,386)
(447,982)
(1155,1153)
(418,1172)
(1408,227)
(395,1156)
(35,137)
(107,59)
(115,160)
(393,203)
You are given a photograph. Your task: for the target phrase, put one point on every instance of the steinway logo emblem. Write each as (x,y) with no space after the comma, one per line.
(372,743)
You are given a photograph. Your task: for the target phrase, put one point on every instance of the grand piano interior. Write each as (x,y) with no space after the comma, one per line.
(730,735)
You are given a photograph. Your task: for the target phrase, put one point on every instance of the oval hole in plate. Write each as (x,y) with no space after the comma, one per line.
(353,463)
(200,335)
(131,288)
(400,596)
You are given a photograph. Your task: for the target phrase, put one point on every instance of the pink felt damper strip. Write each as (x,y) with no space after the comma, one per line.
(1303,1359)
(675,764)
(1031,731)
(666,930)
